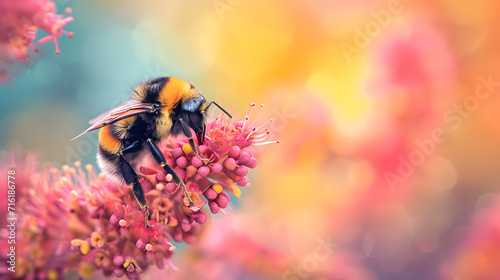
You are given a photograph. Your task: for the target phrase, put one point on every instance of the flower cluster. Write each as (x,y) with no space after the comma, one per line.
(19,22)
(76,219)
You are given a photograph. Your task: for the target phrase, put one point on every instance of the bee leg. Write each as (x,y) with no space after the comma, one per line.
(160,158)
(187,131)
(132,179)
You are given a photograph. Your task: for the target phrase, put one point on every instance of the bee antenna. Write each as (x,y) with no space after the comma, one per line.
(220,107)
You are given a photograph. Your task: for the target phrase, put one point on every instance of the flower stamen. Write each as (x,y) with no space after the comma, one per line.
(258,114)
(265,143)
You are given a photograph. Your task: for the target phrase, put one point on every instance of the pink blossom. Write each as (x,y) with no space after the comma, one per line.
(71,219)
(19,23)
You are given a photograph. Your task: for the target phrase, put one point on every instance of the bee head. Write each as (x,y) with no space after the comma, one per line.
(195,115)
(192,111)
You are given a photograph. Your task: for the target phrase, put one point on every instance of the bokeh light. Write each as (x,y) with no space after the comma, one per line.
(386,112)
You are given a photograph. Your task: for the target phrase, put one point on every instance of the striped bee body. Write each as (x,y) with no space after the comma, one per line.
(160,108)
(170,93)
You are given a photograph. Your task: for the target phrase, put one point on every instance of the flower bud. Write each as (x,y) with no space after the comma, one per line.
(214,207)
(222,199)
(241,171)
(177,153)
(234,152)
(181,162)
(170,187)
(244,157)
(204,170)
(200,217)
(230,164)
(217,167)
(210,194)
(185,225)
(196,162)
(243,182)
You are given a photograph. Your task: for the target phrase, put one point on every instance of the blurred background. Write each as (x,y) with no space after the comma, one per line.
(386,111)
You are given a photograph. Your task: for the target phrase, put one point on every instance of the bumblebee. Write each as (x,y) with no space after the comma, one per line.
(159,108)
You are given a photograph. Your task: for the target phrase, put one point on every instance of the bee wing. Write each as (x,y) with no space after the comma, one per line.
(120,109)
(125,110)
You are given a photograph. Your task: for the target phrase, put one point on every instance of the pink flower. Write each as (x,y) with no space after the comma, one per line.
(415,56)
(223,136)
(75,219)
(19,22)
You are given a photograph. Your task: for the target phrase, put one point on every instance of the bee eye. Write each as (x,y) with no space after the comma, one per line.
(193,104)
